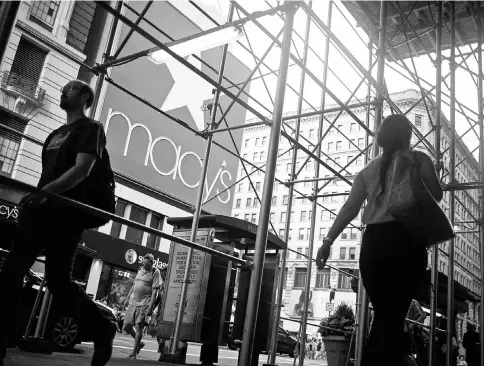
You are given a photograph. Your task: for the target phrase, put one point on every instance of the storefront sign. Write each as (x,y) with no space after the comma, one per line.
(175,281)
(9,212)
(121,252)
(151,147)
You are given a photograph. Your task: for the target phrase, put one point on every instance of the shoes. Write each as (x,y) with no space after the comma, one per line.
(140,347)
(103,345)
(132,357)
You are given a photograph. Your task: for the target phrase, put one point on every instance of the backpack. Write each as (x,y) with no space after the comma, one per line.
(100,191)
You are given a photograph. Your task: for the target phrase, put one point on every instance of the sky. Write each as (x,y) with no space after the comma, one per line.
(343,77)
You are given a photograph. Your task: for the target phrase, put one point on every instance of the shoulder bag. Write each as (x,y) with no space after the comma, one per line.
(411,204)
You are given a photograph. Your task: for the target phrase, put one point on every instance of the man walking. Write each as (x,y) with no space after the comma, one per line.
(69,155)
(141,301)
(471,343)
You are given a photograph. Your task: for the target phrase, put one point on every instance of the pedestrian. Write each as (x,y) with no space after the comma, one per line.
(70,156)
(471,342)
(141,301)
(319,353)
(392,260)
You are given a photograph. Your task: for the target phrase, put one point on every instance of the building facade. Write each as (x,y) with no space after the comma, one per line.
(156,160)
(341,148)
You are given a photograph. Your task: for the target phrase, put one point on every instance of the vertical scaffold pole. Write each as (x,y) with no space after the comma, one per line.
(245,358)
(450,274)
(283,254)
(315,198)
(435,251)
(198,204)
(363,300)
(481,161)
(380,71)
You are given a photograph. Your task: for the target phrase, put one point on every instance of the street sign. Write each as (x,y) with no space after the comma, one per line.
(329,306)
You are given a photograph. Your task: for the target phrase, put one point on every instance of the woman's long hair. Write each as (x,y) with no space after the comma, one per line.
(395,133)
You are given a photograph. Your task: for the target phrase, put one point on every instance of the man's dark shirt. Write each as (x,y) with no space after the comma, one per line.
(61,147)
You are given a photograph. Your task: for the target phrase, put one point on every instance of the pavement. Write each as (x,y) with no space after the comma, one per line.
(122,347)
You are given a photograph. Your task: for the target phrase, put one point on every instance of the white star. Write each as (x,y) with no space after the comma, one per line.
(224,164)
(189,90)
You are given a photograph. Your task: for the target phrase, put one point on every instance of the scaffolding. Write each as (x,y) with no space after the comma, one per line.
(398,32)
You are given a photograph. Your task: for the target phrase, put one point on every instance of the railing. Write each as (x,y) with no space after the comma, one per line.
(21,86)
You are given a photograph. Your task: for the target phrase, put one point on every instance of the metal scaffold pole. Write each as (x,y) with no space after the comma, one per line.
(314,197)
(198,205)
(480,103)
(245,358)
(283,254)
(450,274)
(435,251)
(362,302)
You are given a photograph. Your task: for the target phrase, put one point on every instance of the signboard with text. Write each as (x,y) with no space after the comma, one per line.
(197,287)
(148,146)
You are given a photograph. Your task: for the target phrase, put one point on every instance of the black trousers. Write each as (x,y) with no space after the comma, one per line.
(392,266)
(56,233)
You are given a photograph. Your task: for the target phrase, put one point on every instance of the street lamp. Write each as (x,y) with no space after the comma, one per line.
(196,43)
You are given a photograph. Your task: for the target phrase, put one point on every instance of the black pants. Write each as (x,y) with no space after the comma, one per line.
(392,266)
(55,232)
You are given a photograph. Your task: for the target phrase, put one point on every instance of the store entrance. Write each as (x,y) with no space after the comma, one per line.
(114,285)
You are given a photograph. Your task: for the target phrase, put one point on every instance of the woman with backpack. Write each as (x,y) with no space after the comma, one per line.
(393,259)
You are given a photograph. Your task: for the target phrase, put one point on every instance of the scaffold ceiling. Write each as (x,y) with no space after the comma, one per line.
(410,25)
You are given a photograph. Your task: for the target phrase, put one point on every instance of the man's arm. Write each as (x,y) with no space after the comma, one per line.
(154,294)
(73,176)
(129,294)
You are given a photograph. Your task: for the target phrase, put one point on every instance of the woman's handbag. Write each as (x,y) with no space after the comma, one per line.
(411,204)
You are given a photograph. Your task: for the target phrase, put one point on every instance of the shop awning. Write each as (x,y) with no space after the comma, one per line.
(242,232)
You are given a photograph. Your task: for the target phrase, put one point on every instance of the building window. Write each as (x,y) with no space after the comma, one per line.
(359,160)
(264,141)
(119,211)
(330,145)
(44,13)
(248,202)
(288,167)
(257,141)
(272,217)
(138,215)
(257,186)
(339,144)
(342,253)
(10,137)
(27,67)
(344,281)
(312,134)
(303,216)
(240,187)
(353,127)
(334,198)
(246,144)
(361,143)
(274,201)
(418,120)
(246,217)
(153,241)
(237,203)
(256,156)
(352,254)
(283,216)
(322,278)
(281,233)
(322,233)
(254,218)
(301,234)
(344,234)
(262,155)
(284,200)
(353,233)
(348,160)
(300,277)
(256,203)
(299,252)
(236,216)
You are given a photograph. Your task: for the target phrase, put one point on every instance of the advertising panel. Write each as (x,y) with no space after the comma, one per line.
(150,147)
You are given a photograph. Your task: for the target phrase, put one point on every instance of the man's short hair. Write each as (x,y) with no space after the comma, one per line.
(86,88)
(150,256)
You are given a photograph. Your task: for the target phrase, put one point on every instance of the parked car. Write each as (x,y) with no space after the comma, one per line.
(62,328)
(286,344)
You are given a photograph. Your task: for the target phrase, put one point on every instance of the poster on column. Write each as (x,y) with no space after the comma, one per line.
(178,265)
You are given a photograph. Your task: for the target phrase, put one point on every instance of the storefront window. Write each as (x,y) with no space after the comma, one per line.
(116,226)
(153,241)
(138,215)
(114,285)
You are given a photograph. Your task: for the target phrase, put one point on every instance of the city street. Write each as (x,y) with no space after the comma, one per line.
(81,355)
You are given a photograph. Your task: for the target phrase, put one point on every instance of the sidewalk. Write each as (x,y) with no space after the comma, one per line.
(82,356)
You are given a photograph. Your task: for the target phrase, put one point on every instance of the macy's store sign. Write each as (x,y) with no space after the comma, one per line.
(9,213)
(180,161)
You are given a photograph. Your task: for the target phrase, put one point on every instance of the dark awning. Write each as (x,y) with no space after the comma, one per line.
(232,229)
